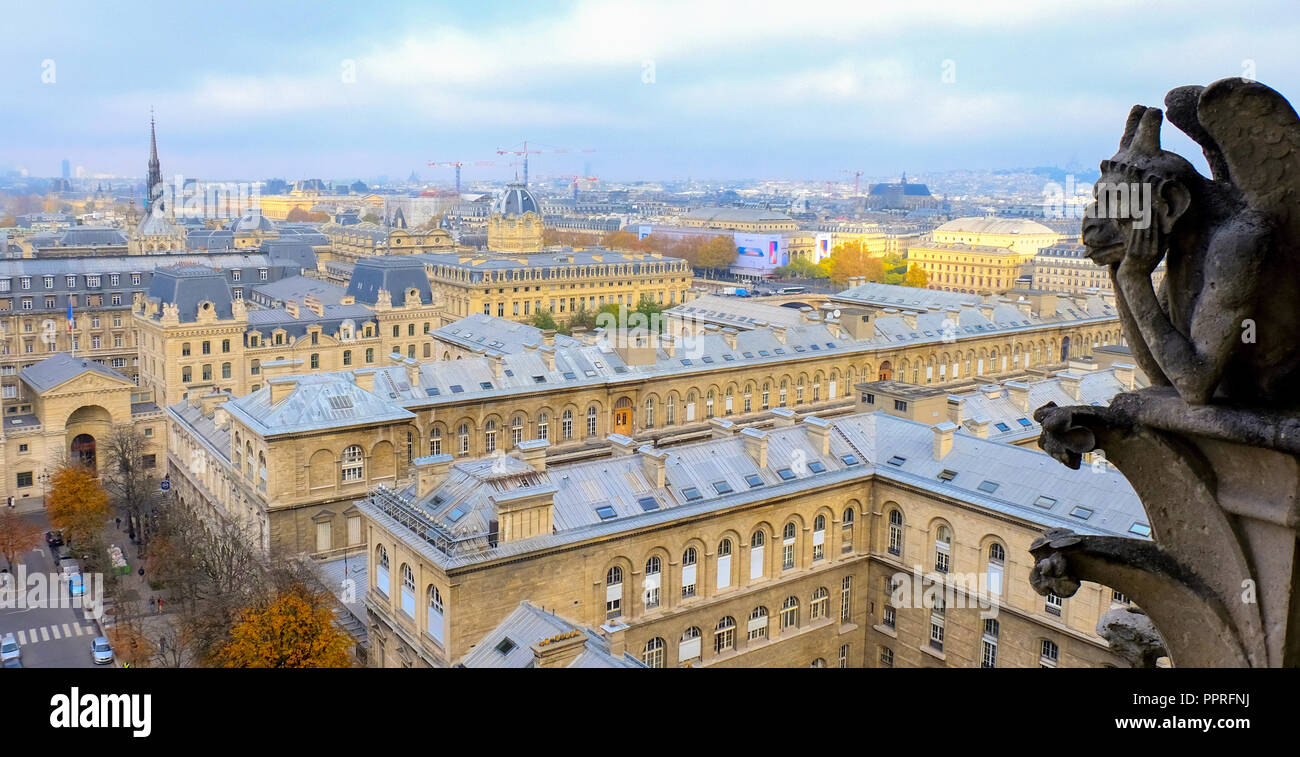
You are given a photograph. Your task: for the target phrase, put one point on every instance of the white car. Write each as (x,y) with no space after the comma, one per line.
(9,649)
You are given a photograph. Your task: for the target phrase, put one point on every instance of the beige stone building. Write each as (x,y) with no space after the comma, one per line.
(198,333)
(515,223)
(979,255)
(74,403)
(866,541)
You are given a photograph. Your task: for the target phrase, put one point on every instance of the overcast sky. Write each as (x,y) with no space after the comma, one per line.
(799,90)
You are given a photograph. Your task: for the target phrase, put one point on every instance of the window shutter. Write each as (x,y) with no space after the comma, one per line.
(724,571)
(324,536)
(690,411)
(614,592)
(354,530)
(995,579)
(757,623)
(652,582)
(832,389)
(756,562)
(688,575)
(819,537)
(689,649)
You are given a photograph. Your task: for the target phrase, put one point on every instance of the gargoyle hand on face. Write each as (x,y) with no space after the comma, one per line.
(1146,247)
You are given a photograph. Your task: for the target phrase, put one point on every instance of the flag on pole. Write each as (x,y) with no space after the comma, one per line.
(70,321)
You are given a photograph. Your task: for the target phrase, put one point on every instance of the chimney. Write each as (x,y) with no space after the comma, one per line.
(314,305)
(292,307)
(819,433)
(430,472)
(1018,393)
(1026,307)
(669,344)
(559,651)
(220,417)
(654,464)
(721,428)
(494,362)
(525,512)
(986,310)
(784,416)
(210,401)
(980,426)
(943,439)
(833,326)
(779,333)
(909,317)
(282,387)
(861,324)
(621,444)
(729,334)
(365,378)
(347,300)
(755,445)
(1070,383)
(954,409)
(412,372)
(275,368)
(532,452)
(548,337)
(808,314)
(1124,375)
(548,356)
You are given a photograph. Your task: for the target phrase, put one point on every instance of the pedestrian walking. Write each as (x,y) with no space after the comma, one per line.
(119,523)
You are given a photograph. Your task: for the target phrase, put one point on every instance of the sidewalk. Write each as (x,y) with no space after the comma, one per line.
(135,590)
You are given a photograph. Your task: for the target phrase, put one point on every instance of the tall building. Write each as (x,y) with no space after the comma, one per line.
(156,232)
(515,223)
(979,255)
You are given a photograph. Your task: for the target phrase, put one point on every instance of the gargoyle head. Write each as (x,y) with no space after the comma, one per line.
(1141,184)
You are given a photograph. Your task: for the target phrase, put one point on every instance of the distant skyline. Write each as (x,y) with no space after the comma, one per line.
(665,90)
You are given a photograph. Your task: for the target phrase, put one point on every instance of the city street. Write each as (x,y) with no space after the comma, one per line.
(51,637)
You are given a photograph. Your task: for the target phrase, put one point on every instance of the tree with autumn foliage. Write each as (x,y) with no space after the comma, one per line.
(17,535)
(916,277)
(295,629)
(76,503)
(852,259)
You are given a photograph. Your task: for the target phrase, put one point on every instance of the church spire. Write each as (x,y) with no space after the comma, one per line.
(155,170)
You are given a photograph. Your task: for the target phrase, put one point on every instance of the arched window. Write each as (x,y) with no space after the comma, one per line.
(591,421)
(566,425)
(435,441)
(756,544)
(649,412)
(757,628)
(670,410)
(997,563)
(462,439)
(516,430)
(689,647)
(614,592)
(895,532)
(353,464)
(820,605)
(724,564)
(653,568)
(708,405)
(689,558)
(490,436)
(653,654)
(819,538)
(942,548)
(790,613)
(787,546)
(435,613)
(724,635)
(767,395)
(408,591)
(989,643)
(381,569)
(846,532)
(543,426)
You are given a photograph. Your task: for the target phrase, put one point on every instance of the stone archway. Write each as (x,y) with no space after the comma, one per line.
(82,450)
(84,426)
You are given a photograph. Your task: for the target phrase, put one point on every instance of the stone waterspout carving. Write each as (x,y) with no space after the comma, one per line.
(1213,446)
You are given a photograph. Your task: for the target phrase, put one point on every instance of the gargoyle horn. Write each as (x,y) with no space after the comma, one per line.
(1147,138)
(1130,127)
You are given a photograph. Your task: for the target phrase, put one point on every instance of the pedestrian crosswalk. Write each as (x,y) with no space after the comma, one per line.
(54,632)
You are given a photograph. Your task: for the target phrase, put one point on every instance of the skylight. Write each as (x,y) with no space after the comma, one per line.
(1044,501)
(1082,512)
(988,487)
(1141,529)
(485,385)
(570,375)
(947,475)
(1001,426)
(849,459)
(722,487)
(896,460)
(691,494)
(606,512)
(457,389)
(506,646)
(816,466)
(754,480)
(648,503)
(456,514)
(786,474)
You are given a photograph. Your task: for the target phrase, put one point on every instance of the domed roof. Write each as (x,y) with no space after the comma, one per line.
(516,201)
(252,221)
(993,225)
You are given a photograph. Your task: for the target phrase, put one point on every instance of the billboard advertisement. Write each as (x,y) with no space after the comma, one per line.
(822,246)
(760,253)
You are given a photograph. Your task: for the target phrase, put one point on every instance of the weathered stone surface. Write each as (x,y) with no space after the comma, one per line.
(1213,447)
(1133,636)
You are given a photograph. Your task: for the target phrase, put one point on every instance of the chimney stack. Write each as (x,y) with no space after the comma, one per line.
(533,452)
(621,444)
(943,439)
(819,433)
(548,337)
(1070,383)
(494,361)
(654,464)
(955,409)
(755,445)
(1018,393)
(721,428)
(729,334)
(314,305)
(1124,375)
(282,387)
(779,333)
(292,307)
(909,318)
(548,356)
(412,372)
(365,378)
(559,651)
(784,416)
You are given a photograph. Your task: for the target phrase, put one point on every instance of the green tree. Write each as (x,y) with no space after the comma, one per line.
(370,218)
(543,319)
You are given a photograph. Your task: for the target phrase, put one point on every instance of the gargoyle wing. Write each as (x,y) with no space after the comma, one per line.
(1258,133)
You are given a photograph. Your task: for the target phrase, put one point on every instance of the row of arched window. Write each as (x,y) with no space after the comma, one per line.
(724,635)
(433,612)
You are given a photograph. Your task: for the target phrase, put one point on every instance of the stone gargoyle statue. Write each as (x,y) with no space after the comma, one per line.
(1212,447)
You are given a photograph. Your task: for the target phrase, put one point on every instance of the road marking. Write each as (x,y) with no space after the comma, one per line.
(55,630)
(22,638)
(80,630)
(45,633)
(67,631)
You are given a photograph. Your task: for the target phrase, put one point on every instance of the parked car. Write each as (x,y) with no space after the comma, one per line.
(101,650)
(9,649)
(14,663)
(53,539)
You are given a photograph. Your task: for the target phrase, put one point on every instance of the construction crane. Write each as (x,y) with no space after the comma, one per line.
(523,152)
(457,164)
(857,180)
